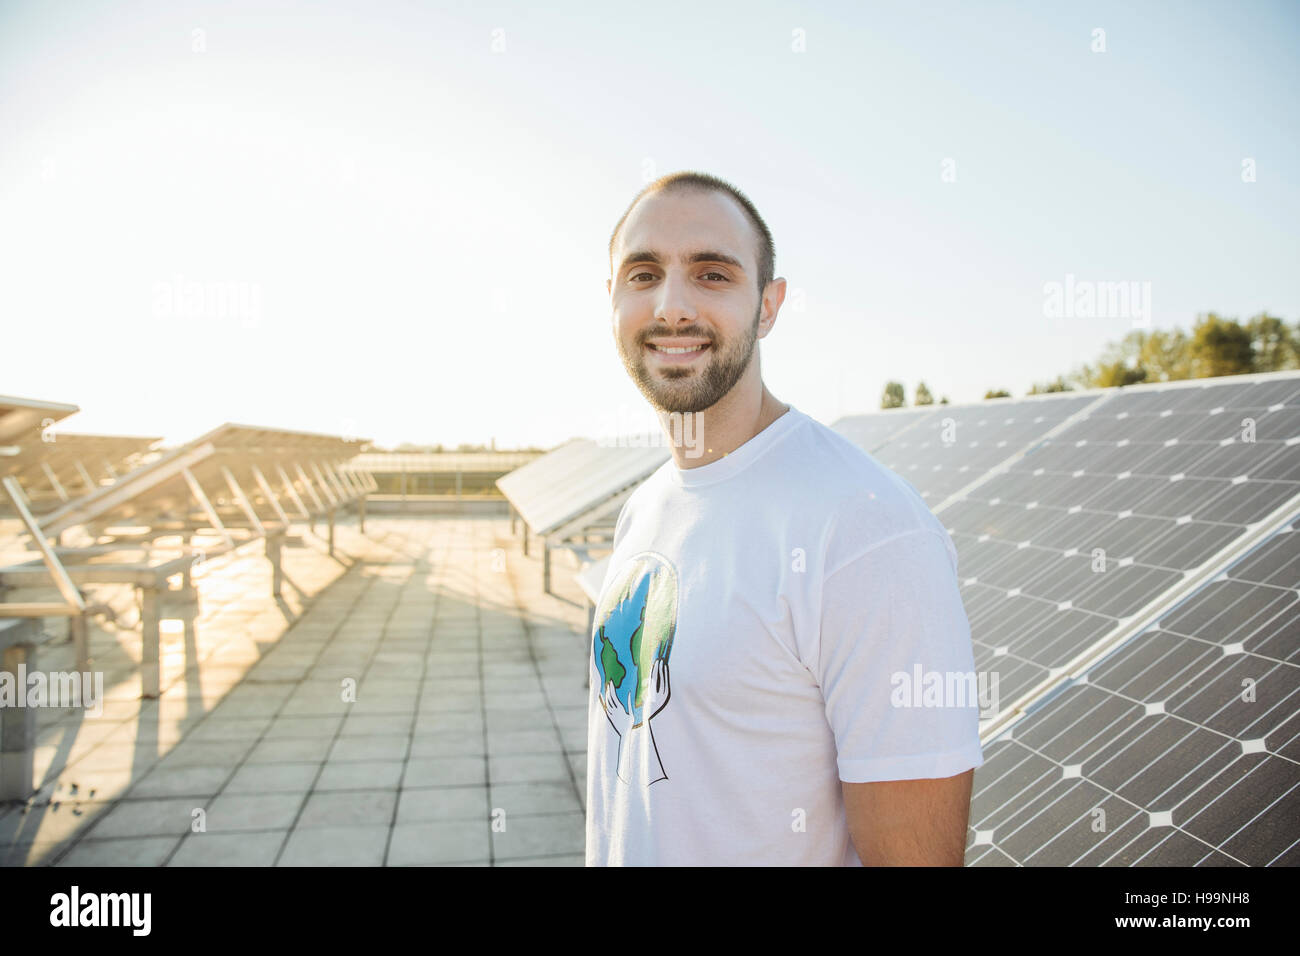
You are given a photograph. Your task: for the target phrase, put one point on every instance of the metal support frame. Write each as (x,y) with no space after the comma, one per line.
(311,490)
(244,504)
(269,493)
(292,492)
(201,496)
(324,485)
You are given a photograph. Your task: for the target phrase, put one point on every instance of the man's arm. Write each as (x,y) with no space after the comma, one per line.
(910,822)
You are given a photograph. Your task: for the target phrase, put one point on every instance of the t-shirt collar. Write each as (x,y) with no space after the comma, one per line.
(739,459)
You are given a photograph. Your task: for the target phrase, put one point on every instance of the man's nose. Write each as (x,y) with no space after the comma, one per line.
(676,301)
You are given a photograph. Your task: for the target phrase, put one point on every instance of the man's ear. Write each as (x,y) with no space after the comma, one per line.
(773,296)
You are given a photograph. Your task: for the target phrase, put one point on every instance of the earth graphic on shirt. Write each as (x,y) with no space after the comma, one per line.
(634,627)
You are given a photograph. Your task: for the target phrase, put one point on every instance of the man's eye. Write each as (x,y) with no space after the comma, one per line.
(637,276)
(718,274)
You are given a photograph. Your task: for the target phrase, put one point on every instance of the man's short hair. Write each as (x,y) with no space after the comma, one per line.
(676,182)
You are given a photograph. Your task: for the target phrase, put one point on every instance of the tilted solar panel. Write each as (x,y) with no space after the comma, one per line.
(1078,537)
(1180,748)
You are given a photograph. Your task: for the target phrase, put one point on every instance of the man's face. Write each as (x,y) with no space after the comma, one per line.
(663,300)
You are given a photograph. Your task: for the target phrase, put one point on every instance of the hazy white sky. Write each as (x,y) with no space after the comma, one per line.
(397,213)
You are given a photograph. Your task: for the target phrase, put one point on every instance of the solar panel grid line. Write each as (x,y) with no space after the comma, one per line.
(1245,615)
(999,431)
(1130,626)
(1019,455)
(1076,786)
(1191,539)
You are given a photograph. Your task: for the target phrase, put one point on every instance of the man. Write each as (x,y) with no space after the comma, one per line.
(768,586)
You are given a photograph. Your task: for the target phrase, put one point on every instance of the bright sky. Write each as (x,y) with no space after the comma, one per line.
(408,204)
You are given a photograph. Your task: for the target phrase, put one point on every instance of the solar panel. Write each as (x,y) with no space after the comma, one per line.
(873,429)
(160,488)
(1129,504)
(581,480)
(1180,748)
(19,417)
(54,471)
(948,449)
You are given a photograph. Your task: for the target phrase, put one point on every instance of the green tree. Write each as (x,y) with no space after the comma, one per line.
(1221,347)
(893,395)
(1165,356)
(1276,346)
(923,396)
(944,400)
(1059,385)
(997,393)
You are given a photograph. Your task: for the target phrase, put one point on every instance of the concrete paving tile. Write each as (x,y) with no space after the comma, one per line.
(573,859)
(548,796)
(137,818)
(541,740)
(357,725)
(360,774)
(130,851)
(449,743)
(444,772)
(207,754)
(349,808)
(335,846)
(573,716)
(466,720)
(229,728)
(501,720)
(439,704)
(291,750)
(534,836)
(425,804)
(522,768)
(233,812)
(452,841)
(181,781)
(228,849)
(273,778)
(370,748)
(315,726)
(31,854)
(534,702)
(50,824)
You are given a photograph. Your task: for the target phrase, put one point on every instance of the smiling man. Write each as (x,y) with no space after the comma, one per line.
(766,589)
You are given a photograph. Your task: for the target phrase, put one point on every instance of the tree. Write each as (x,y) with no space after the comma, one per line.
(1221,347)
(944,400)
(998,393)
(923,396)
(1276,346)
(1165,356)
(893,395)
(1058,386)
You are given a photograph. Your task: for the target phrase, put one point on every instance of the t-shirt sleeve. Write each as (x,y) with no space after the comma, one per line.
(895,663)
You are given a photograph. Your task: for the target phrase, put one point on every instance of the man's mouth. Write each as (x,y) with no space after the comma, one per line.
(677,352)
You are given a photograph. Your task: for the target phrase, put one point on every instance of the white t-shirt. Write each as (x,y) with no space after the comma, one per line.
(774,614)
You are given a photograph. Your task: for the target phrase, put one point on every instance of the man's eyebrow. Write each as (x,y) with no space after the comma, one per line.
(706,255)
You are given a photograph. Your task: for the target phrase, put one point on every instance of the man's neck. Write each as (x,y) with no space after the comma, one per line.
(704,437)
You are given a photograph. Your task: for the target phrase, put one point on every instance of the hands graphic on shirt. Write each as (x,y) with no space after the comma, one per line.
(654,695)
(638,757)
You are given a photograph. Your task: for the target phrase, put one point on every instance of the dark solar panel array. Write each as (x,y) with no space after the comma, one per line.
(956,445)
(1180,748)
(874,429)
(1092,525)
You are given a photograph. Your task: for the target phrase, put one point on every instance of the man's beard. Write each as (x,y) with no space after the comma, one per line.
(685,390)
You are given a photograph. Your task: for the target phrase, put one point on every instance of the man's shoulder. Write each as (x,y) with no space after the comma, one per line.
(863,502)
